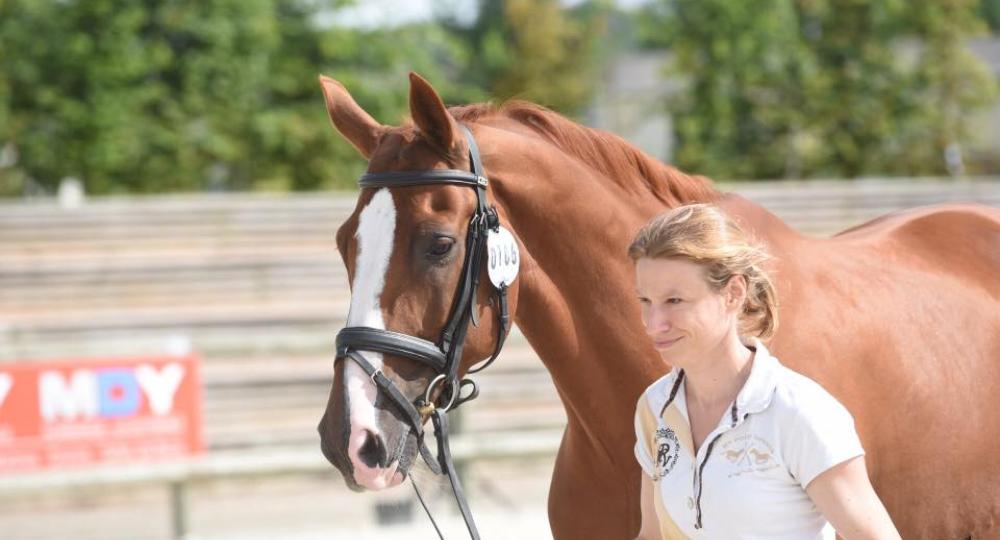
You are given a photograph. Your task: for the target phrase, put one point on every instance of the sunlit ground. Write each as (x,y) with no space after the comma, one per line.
(508,501)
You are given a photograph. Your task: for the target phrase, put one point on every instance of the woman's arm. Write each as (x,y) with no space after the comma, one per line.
(650,529)
(846,498)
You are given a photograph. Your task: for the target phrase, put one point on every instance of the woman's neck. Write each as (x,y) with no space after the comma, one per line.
(716,379)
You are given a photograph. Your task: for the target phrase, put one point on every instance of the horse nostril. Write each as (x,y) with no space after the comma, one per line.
(372,452)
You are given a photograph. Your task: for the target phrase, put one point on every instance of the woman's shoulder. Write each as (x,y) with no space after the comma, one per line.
(801,399)
(813,429)
(656,394)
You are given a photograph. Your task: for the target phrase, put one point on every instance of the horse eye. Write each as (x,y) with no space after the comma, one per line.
(441,246)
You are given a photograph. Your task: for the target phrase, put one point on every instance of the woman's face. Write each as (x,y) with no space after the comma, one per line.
(684,317)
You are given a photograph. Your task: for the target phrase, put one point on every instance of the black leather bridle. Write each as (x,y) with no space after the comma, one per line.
(444,356)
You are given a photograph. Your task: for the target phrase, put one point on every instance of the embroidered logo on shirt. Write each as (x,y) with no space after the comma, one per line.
(749,453)
(667,448)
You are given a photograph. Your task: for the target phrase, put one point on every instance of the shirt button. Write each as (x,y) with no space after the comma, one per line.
(690,502)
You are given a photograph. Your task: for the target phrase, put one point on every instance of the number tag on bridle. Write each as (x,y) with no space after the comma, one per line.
(504,257)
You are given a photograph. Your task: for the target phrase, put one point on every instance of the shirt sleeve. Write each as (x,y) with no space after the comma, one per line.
(821,435)
(645,427)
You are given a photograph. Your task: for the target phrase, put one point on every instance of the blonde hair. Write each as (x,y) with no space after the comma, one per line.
(703,234)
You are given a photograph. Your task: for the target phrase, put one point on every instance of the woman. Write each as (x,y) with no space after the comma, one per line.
(732,443)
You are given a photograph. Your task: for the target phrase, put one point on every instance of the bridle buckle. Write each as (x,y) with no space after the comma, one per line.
(425,408)
(455,389)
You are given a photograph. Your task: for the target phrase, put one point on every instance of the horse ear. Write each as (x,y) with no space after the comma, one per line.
(356,125)
(430,114)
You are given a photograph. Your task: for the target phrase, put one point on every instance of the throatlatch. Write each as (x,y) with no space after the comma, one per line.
(443,357)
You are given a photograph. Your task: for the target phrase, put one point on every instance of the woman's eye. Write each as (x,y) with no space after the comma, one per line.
(441,247)
(674,300)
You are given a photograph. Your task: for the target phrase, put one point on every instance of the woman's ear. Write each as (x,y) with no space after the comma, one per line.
(736,291)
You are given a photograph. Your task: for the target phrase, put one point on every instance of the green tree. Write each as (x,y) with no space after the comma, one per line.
(166,95)
(858,95)
(134,96)
(789,88)
(740,62)
(989,11)
(952,83)
(535,49)
(297,146)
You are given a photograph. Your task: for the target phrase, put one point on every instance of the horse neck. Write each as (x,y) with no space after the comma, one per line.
(576,299)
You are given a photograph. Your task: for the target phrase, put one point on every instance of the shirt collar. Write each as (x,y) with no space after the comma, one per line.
(754,397)
(756,393)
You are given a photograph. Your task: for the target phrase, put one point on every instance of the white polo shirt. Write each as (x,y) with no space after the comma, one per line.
(748,479)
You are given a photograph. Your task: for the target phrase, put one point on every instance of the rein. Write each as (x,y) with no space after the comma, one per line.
(444,356)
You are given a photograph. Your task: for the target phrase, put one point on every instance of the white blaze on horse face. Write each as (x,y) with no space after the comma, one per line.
(376,227)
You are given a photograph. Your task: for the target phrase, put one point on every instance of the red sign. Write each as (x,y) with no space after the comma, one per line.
(73,414)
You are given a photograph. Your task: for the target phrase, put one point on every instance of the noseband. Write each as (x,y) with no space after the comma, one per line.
(444,356)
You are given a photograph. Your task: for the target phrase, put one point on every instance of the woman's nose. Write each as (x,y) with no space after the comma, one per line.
(656,321)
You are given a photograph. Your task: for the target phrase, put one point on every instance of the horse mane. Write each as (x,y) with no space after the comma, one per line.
(614,158)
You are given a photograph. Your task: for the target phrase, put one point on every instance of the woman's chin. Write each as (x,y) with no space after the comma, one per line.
(672,357)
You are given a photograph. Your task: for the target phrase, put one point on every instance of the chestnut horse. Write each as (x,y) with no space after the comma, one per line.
(899,318)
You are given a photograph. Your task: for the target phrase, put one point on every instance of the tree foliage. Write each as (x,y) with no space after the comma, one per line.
(989,11)
(535,49)
(171,95)
(165,95)
(793,88)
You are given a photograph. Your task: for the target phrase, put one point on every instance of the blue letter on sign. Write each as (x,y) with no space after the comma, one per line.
(118,393)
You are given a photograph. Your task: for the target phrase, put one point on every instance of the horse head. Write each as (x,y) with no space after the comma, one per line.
(404,247)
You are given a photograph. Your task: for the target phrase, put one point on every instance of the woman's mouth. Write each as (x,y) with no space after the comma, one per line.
(662,344)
